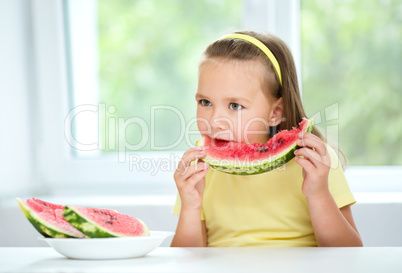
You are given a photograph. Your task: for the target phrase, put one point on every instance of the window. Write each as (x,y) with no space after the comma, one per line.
(124,76)
(141,60)
(351,69)
(105,67)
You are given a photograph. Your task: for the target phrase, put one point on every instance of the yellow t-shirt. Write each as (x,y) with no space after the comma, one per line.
(267,209)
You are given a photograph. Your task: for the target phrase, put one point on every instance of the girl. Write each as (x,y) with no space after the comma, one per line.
(248,85)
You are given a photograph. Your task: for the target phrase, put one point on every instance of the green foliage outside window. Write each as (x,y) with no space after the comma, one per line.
(149,52)
(351,62)
(352,56)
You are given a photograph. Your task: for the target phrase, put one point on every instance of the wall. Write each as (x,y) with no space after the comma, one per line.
(378,218)
(16,97)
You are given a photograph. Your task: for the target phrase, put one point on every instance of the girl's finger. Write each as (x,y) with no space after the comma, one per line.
(195,178)
(313,142)
(309,155)
(193,169)
(305,164)
(189,156)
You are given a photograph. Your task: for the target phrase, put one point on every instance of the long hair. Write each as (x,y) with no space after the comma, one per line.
(236,49)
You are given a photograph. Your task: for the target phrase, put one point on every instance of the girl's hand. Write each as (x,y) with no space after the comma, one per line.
(190,179)
(316,163)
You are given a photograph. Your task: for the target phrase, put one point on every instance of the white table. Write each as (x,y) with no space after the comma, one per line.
(250,260)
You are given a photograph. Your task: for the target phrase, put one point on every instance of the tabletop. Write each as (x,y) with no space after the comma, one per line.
(165,259)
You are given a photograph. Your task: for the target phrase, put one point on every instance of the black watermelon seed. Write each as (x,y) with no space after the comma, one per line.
(262,149)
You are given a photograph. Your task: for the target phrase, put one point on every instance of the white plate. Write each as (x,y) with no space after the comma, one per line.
(108,248)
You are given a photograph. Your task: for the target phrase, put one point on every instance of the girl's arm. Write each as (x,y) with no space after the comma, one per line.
(190,182)
(190,231)
(332,226)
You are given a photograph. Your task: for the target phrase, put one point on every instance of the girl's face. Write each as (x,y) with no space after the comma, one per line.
(231,104)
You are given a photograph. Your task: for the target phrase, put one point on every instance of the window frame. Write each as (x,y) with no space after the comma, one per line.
(61,171)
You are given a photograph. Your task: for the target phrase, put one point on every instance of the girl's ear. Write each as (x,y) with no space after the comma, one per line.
(277,113)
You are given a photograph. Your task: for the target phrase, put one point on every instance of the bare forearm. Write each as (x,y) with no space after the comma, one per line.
(190,231)
(331,228)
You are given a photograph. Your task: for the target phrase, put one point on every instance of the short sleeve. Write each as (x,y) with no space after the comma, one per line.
(338,185)
(177,208)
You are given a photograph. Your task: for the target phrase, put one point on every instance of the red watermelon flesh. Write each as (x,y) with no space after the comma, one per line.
(243,158)
(48,218)
(96,223)
(222,149)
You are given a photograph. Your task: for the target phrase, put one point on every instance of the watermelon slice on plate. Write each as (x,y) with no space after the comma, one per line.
(104,223)
(247,159)
(47,219)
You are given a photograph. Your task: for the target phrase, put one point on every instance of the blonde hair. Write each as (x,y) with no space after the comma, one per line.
(237,49)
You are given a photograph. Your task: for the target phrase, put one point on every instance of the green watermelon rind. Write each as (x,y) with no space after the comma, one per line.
(90,228)
(258,166)
(46,229)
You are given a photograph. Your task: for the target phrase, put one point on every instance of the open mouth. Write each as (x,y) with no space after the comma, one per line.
(217,142)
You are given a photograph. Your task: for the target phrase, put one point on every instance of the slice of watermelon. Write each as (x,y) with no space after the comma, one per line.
(102,223)
(246,159)
(47,218)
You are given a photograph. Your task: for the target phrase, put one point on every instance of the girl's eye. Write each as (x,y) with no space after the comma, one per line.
(204,102)
(235,106)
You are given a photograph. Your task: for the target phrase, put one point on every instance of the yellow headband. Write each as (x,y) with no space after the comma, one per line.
(261,46)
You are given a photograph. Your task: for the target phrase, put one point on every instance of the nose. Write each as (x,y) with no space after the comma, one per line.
(220,123)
